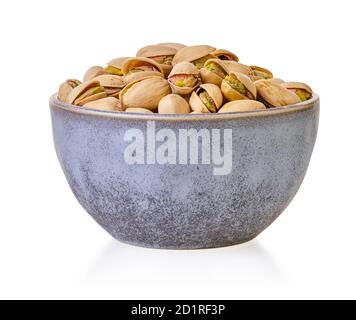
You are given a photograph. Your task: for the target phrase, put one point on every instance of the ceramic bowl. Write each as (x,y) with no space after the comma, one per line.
(185,181)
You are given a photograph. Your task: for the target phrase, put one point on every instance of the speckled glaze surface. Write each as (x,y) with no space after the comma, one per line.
(185,206)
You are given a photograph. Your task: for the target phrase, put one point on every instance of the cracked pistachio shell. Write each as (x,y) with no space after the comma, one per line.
(135,76)
(93,72)
(231,94)
(145,93)
(173,104)
(158,51)
(138,110)
(134,63)
(210,76)
(234,66)
(184,68)
(242,106)
(174,45)
(192,53)
(274,95)
(115,66)
(223,54)
(302,90)
(259,73)
(213,91)
(66,87)
(105,104)
(86,92)
(276,80)
(110,81)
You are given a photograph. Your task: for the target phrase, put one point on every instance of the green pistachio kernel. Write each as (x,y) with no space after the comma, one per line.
(303,94)
(114,70)
(236,84)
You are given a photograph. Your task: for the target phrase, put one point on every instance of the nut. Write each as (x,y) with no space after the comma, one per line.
(214,71)
(184,78)
(223,54)
(259,73)
(274,95)
(140,64)
(145,93)
(197,55)
(242,106)
(138,110)
(302,90)
(173,104)
(206,98)
(66,87)
(86,92)
(163,55)
(105,104)
(115,66)
(113,84)
(237,86)
(93,72)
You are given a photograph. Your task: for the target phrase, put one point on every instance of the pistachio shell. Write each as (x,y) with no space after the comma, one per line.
(184,68)
(118,62)
(176,46)
(66,87)
(173,104)
(302,90)
(211,76)
(259,73)
(93,72)
(297,85)
(196,112)
(223,54)
(133,63)
(138,110)
(231,94)
(82,93)
(192,53)
(238,67)
(274,95)
(106,104)
(242,106)
(276,80)
(110,81)
(156,50)
(145,93)
(214,93)
(134,76)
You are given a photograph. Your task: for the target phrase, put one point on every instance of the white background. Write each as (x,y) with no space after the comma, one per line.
(49,246)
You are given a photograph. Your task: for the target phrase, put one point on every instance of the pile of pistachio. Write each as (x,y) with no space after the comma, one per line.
(172,78)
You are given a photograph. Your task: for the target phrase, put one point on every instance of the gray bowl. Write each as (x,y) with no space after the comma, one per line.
(219,193)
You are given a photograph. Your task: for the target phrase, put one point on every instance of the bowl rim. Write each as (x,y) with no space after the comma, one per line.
(299,107)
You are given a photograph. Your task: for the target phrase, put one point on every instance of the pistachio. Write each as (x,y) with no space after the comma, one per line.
(276,80)
(112,84)
(197,55)
(196,112)
(176,46)
(86,92)
(237,86)
(138,110)
(302,90)
(234,66)
(184,78)
(173,104)
(145,93)
(135,76)
(66,87)
(105,104)
(115,66)
(163,55)
(214,71)
(274,95)
(94,72)
(242,106)
(223,54)
(206,98)
(141,64)
(259,73)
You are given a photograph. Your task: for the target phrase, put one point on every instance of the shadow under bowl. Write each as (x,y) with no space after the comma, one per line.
(249,166)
